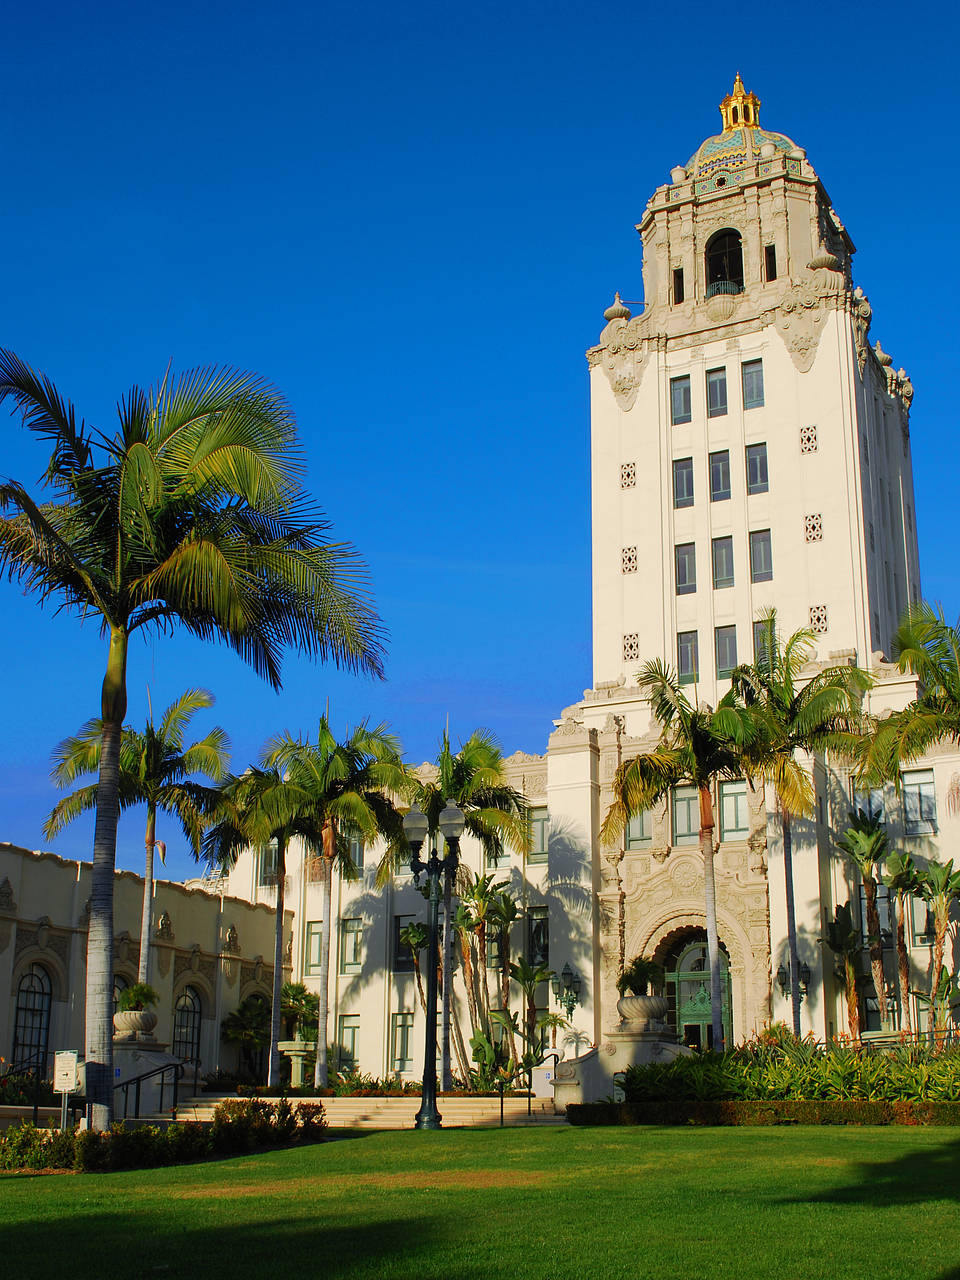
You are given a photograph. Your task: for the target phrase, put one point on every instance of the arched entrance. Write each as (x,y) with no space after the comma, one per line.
(688,990)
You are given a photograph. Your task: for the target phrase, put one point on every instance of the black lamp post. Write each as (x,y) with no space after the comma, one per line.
(783,980)
(566,988)
(416,826)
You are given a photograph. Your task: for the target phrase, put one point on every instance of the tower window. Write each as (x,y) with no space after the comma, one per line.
(683,482)
(688,657)
(734,116)
(726,643)
(678,284)
(752,375)
(686,558)
(716,393)
(680,400)
(761,557)
(723,562)
(770,261)
(757,478)
(724,263)
(720,476)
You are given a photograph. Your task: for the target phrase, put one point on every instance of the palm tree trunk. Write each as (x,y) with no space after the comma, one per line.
(419,978)
(98,1011)
(484,977)
(710,895)
(273,1070)
(150,840)
(875,943)
(505,990)
(791,922)
(446,1076)
(903,968)
(941,923)
(461,1049)
(853,1003)
(321,1073)
(465,943)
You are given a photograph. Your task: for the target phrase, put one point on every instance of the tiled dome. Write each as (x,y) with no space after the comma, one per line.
(742,138)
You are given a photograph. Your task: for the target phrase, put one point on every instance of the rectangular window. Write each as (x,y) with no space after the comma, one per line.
(726,644)
(757,478)
(680,400)
(752,372)
(762,642)
(686,815)
(871,802)
(770,261)
(401,1042)
(761,557)
(351,946)
(734,824)
(355,849)
(720,476)
(686,557)
(723,562)
(683,482)
(402,956)
(540,833)
(924,924)
(677,284)
(492,861)
(716,393)
(688,657)
(538,935)
(268,865)
(494,958)
(884,911)
(919,803)
(639,830)
(348,1033)
(314,942)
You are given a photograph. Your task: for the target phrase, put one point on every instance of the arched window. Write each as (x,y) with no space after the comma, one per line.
(688,990)
(186,1026)
(724,263)
(734,115)
(120,983)
(31,1026)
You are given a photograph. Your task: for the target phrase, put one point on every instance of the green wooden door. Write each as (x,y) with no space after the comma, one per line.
(688,987)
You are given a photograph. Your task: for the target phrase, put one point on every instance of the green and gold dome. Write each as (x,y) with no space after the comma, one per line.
(742,141)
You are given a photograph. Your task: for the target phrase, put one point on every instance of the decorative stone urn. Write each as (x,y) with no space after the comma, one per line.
(135,1023)
(642,1011)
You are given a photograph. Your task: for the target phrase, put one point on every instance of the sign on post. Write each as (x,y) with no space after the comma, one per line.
(65,1081)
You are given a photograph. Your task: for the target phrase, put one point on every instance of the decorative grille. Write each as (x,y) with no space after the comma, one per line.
(628,475)
(628,560)
(813,528)
(818,618)
(808,439)
(631,647)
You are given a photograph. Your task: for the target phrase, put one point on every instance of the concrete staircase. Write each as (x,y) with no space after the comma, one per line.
(399,1113)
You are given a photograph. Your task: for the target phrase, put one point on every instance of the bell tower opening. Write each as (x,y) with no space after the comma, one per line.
(724,263)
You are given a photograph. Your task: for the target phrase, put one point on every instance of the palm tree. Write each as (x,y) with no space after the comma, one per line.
(191,513)
(264,811)
(495,814)
(350,788)
(903,878)
(155,768)
(529,978)
(843,939)
(503,916)
(415,937)
(248,1027)
(698,747)
(939,885)
(865,843)
(796,713)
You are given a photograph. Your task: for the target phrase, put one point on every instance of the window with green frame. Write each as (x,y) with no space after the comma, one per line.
(348,1033)
(921,913)
(540,835)
(401,1042)
(314,941)
(351,945)
(734,820)
(639,830)
(402,956)
(686,815)
(538,935)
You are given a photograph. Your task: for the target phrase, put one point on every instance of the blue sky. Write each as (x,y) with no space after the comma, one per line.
(411,222)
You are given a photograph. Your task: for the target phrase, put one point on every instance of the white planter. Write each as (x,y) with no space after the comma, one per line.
(642,1010)
(134,1022)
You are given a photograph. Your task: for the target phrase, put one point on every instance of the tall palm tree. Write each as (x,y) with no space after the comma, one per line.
(903,878)
(350,788)
(865,843)
(939,885)
(191,513)
(495,814)
(503,916)
(796,713)
(262,810)
(155,770)
(843,939)
(698,747)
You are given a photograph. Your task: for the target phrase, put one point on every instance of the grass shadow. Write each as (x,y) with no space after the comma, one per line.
(915,1178)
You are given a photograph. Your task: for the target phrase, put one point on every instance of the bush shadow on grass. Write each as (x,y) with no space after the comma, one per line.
(917,1177)
(136,1246)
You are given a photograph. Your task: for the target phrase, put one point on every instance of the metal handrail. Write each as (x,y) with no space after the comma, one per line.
(723,286)
(177,1068)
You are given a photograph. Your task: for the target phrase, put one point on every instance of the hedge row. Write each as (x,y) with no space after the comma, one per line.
(238,1127)
(779,1112)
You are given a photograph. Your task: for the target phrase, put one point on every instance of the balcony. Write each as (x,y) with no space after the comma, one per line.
(723,286)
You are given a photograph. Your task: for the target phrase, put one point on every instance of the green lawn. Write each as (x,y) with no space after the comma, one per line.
(663,1204)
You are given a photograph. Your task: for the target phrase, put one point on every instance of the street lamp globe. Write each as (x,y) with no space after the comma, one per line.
(451,822)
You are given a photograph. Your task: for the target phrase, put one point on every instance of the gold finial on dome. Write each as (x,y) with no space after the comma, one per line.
(740,108)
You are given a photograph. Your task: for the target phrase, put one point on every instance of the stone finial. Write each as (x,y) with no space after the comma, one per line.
(617,310)
(881,355)
(823,259)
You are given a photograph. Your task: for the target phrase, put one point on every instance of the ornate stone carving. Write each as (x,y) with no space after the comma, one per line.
(861,313)
(660,855)
(799,319)
(165,927)
(6,896)
(84,921)
(231,942)
(622,356)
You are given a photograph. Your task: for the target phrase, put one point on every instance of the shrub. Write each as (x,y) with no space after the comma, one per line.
(834,1111)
